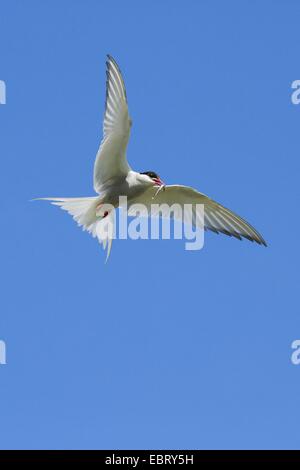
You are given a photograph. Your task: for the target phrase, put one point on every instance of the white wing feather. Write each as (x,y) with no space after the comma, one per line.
(111,159)
(217,218)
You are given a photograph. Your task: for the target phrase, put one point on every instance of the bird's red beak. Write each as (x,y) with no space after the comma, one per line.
(158,182)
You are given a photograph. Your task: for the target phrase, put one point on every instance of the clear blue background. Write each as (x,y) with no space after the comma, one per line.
(160,347)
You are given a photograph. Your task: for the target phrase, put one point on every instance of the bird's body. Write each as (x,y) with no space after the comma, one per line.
(113,178)
(132,185)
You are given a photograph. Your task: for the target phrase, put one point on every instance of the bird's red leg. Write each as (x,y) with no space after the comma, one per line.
(105,212)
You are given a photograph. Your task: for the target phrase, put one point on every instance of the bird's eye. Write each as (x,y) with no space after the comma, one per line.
(151,174)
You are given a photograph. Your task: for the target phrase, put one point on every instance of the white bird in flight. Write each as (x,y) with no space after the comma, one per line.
(113,177)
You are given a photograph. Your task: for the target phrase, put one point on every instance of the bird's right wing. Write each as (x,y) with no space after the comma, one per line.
(217,218)
(111,159)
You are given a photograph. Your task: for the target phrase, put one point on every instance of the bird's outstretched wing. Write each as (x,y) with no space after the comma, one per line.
(217,218)
(111,159)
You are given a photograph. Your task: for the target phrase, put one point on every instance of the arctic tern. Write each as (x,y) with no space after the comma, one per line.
(113,178)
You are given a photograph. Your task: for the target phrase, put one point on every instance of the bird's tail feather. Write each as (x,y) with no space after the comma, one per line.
(83,211)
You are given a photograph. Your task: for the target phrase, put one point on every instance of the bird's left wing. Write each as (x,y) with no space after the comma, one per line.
(217,218)
(111,159)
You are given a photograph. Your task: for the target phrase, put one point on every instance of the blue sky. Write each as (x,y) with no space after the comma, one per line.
(160,347)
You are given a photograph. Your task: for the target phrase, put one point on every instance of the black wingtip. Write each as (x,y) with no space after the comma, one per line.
(261,241)
(111,59)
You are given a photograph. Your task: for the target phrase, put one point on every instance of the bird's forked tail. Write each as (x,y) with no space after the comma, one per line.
(83,210)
